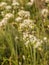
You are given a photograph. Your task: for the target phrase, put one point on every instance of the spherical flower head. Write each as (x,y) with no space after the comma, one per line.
(3,22)
(3,5)
(23,13)
(15,3)
(9,15)
(44,12)
(8,7)
(33,39)
(25,24)
(38,43)
(18,19)
(27,14)
(29,4)
(27,21)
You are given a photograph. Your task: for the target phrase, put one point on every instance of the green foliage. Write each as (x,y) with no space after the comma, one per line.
(23,40)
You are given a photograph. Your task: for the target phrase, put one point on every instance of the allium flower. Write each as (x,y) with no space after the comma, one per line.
(3,22)
(33,39)
(2,4)
(23,13)
(8,7)
(29,3)
(27,21)
(44,12)
(9,15)
(15,4)
(38,43)
(18,19)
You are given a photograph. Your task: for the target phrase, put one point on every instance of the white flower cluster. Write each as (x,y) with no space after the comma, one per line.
(25,14)
(3,22)
(22,15)
(18,19)
(27,23)
(15,3)
(6,18)
(34,41)
(3,4)
(9,15)
(30,3)
(24,20)
(44,12)
(8,7)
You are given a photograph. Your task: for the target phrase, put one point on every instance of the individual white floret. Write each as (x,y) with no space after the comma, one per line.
(45,38)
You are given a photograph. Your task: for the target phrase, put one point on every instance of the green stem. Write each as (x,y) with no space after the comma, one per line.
(34,56)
